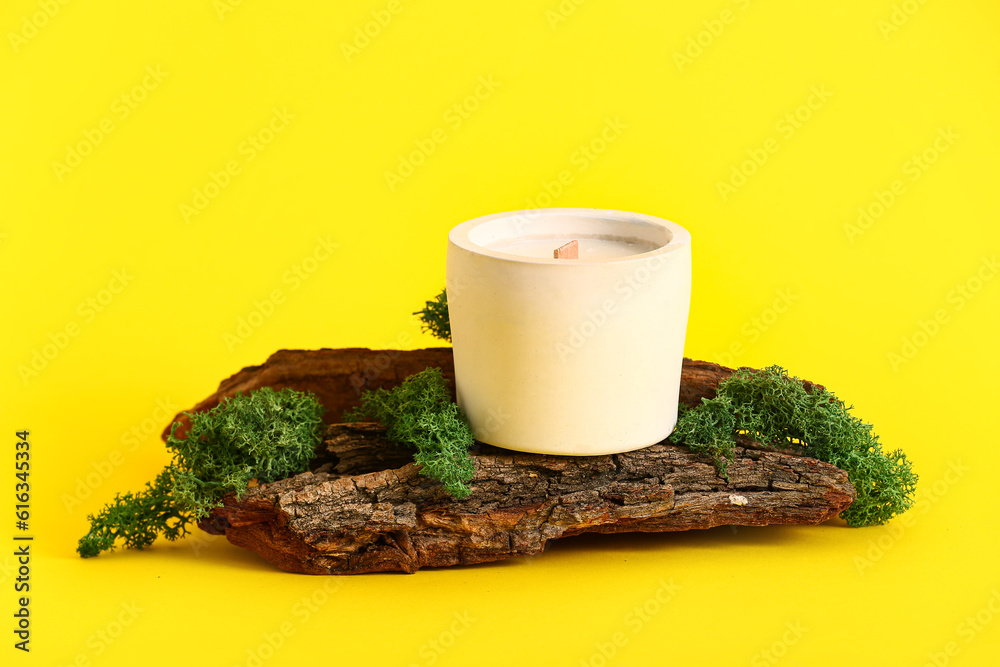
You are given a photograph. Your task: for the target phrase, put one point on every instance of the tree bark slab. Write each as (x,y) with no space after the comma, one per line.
(364,507)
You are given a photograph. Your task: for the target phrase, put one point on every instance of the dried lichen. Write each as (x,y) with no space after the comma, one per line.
(778,410)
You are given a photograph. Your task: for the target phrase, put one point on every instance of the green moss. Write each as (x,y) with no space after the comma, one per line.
(420,413)
(434,317)
(268,435)
(264,436)
(708,429)
(777,410)
(136,519)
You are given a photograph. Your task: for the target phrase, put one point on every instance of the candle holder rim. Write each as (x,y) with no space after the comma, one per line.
(680,238)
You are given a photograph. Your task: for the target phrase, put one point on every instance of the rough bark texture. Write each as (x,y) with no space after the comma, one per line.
(364,507)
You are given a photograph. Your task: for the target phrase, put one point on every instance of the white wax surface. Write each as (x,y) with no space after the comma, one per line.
(590,248)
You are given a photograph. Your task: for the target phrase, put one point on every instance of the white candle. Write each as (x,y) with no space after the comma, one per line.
(569,356)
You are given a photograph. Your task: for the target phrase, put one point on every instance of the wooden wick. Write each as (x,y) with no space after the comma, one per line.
(570,250)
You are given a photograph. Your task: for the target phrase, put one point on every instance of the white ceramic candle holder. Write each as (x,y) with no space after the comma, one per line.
(569,356)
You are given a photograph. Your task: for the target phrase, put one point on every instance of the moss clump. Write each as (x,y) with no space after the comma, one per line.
(420,413)
(434,317)
(266,435)
(776,410)
(136,519)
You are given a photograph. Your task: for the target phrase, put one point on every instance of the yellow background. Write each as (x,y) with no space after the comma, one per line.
(780,277)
